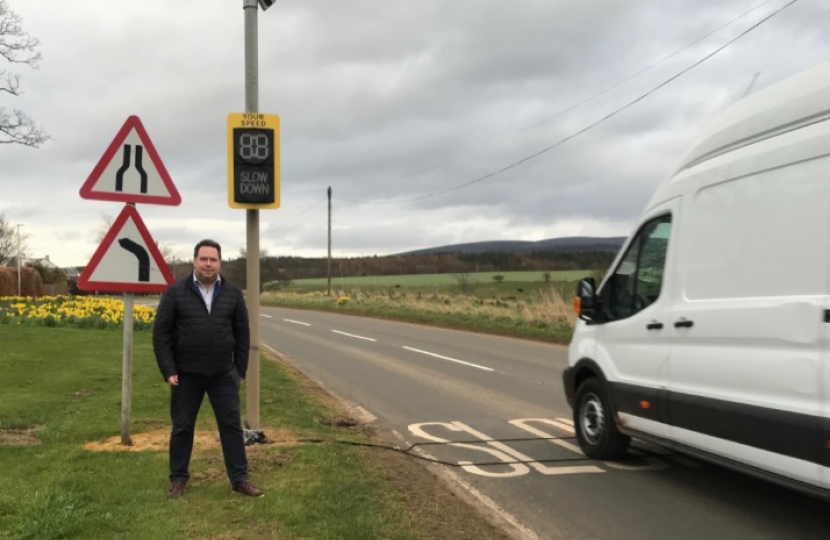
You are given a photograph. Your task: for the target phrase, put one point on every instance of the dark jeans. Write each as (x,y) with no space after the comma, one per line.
(185,401)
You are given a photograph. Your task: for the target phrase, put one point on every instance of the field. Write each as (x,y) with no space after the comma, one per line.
(540,314)
(426,280)
(523,305)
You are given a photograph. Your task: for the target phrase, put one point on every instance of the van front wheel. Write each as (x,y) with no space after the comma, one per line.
(594,421)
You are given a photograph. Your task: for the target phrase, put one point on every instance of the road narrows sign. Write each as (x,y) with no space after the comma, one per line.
(127,260)
(131,171)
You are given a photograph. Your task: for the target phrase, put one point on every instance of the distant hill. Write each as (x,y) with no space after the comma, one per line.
(574,243)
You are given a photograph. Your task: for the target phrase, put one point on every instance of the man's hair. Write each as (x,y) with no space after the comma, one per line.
(207,243)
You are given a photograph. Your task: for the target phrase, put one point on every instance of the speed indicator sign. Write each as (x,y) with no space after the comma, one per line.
(253,161)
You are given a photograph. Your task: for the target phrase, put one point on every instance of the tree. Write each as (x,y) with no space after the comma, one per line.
(546,277)
(498,278)
(17,47)
(49,275)
(8,240)
(243,253)
(465,281)
(168,252)
(104,227)
(278,280)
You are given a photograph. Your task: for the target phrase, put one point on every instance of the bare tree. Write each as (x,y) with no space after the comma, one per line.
(465,282)
(8,240)
(103,227)
(17,47)
(243,253)
(169,253)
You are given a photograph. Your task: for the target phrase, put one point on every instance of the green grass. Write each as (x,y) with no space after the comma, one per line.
(427,280)
(68,381)
(542,313)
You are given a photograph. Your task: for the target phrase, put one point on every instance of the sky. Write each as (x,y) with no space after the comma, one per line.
(385,102)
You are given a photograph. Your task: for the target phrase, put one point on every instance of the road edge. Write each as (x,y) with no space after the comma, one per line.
(478,501)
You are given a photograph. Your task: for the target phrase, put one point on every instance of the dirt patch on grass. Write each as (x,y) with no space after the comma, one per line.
(203,440)
(19,437)
(338,421)
(240,535)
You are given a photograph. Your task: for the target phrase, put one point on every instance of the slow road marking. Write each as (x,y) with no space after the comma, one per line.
(520,463)
(449,359)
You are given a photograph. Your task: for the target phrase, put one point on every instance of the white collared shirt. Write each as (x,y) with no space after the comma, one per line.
(207,292)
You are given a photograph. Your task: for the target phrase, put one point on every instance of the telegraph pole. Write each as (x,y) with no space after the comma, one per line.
(251,9)
(19,289)
(329,271)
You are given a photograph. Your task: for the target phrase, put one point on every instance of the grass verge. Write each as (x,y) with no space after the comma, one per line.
(541,315)
(67,381)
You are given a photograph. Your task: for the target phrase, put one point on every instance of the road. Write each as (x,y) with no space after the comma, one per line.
(431,385)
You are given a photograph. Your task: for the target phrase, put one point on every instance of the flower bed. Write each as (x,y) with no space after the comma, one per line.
(81,311)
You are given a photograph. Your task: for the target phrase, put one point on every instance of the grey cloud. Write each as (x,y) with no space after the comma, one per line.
(373,95)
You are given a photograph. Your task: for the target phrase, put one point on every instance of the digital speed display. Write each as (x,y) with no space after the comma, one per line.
(254,165)
(253,161)
(254,147)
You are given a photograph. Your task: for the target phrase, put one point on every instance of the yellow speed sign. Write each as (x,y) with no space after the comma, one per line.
(253,161)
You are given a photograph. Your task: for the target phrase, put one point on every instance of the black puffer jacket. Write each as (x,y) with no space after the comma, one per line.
(188,339)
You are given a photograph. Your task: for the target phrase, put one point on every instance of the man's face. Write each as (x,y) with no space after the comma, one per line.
(207,264)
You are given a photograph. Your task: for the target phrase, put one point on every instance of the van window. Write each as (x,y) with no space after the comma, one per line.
(637,282)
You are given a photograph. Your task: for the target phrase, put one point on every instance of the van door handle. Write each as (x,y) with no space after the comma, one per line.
(683,323)
(654,326)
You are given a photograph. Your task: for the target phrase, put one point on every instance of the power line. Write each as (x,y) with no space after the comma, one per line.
(590,126)
(584,101)
(271,229)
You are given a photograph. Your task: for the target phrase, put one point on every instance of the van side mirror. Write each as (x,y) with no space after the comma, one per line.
(586,302)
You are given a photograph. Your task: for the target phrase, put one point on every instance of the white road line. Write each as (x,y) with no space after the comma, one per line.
(352,335)
(450,359)
(266,316)
(297,322)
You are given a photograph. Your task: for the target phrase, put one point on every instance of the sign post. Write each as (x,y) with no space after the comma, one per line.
(128,259)
(127,369)
(253,184)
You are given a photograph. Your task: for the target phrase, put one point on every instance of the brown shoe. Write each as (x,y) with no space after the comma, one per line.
(246,488)
(176,489)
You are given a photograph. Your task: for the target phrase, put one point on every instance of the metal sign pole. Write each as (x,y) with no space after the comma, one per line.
(127,369)
(251,9)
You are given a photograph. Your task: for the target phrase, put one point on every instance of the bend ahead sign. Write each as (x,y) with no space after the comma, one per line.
(253,161)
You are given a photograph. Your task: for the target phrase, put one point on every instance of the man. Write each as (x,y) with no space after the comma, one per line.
(201,339)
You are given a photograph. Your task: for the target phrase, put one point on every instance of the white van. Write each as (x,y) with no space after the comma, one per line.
(710,333)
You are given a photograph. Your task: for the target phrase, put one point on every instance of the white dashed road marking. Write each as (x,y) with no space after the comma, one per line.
(450,359)
(354,336)
(296,322)
(266,316)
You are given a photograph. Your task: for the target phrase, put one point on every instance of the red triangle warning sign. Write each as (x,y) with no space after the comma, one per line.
(131,171)
(127,259)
